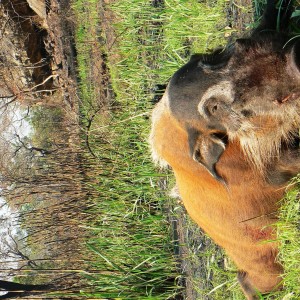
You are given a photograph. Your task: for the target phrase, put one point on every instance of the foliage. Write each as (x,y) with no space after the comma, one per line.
(45,121)
(288,229)
(129,230)
(46,191)
(130,241)
(130,234)
(153,41)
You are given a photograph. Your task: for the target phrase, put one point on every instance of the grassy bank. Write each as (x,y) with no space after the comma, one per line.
(288,229)
(132,239)
(153,41)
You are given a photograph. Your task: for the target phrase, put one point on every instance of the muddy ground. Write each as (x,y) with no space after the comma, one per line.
(48,44)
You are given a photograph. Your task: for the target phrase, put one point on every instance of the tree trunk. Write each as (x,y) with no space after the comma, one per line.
(18,290)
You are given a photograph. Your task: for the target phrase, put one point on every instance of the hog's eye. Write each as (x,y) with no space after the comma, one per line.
(216,60)
(247,113)
(213,65)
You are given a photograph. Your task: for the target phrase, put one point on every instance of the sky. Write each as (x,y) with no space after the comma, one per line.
(9,217)
(8,227)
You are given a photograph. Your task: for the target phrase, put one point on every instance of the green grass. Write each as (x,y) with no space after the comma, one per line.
(288,229)
(84,36)
(155,41)
(288,235)
(130,234)
(131,242)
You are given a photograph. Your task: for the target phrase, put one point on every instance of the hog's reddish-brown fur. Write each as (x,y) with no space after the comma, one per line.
(238,217)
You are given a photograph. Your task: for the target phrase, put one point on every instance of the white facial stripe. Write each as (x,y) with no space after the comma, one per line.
(292,67)
(159,109)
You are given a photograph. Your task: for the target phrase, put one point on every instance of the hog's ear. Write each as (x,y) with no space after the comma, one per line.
(206,150)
